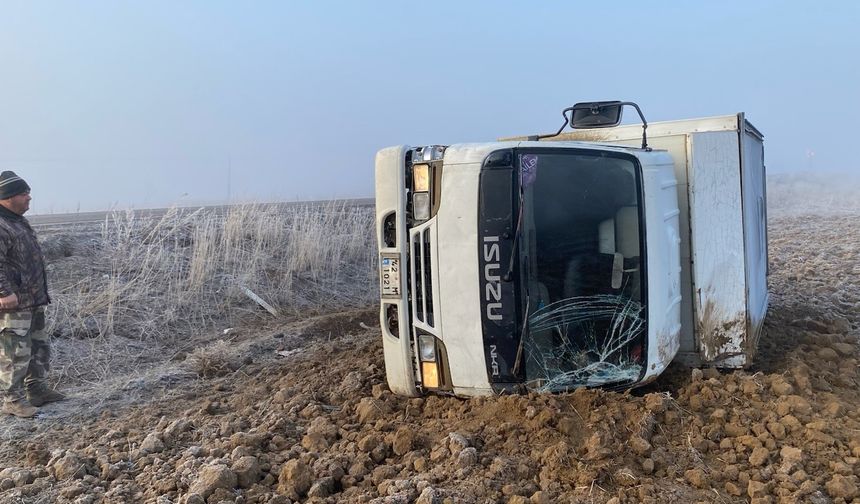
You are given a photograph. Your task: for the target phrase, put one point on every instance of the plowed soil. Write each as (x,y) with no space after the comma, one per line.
(299,412)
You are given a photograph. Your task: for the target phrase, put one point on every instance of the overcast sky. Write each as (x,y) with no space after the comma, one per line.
(142,104)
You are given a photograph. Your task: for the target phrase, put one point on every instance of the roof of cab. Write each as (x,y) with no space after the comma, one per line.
(477,152)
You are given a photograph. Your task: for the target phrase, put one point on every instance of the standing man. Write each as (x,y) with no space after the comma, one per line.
(25,348)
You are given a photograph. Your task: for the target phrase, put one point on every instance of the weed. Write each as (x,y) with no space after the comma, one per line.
(163,278)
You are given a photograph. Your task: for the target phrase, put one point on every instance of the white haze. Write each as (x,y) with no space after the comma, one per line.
(119,104)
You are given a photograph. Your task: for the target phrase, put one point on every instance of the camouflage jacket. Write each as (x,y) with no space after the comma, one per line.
(22,266)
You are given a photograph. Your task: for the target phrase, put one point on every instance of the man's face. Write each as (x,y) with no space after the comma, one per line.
(19,203)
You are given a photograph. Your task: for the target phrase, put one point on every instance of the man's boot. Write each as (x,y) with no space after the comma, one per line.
(20,408)
(40,395)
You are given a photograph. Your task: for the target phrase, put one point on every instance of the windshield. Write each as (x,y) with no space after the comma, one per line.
(582,268)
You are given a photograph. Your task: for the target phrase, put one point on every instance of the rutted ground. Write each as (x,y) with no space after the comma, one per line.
(316,422)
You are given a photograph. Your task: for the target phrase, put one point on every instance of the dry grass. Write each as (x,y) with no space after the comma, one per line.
(166,278)
(217,359)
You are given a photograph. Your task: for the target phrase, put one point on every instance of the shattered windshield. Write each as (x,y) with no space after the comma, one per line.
(582,269)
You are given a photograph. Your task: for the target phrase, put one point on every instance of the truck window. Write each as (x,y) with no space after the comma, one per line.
(582,269)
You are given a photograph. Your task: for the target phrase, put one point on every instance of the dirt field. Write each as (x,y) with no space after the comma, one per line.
(296,410)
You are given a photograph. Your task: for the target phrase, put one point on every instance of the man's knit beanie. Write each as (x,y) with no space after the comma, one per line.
(11,185)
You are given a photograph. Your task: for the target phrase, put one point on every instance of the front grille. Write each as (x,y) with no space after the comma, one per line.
(418,275)
(421,271)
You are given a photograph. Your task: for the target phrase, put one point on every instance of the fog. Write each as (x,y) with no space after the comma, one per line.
(117,105)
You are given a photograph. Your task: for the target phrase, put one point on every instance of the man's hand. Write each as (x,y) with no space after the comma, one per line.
(9,302)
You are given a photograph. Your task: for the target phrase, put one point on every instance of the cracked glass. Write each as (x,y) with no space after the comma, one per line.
(581,269)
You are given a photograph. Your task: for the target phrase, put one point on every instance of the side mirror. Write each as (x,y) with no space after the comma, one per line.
(604,114)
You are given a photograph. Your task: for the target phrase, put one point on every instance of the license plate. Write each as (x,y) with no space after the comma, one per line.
(389,273)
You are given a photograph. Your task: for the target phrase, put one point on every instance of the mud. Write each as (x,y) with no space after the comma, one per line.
(306,417)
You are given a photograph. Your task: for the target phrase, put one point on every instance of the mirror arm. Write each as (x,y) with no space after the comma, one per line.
(534,138)
(644,124)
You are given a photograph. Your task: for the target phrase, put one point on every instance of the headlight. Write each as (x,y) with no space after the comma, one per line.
(421,206)
(421,178)
(426,348)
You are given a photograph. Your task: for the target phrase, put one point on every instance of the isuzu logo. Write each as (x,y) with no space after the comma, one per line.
(492,278)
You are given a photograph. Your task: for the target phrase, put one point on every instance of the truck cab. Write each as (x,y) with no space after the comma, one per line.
(528,265)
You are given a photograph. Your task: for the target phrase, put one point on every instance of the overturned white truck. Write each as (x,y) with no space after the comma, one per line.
(587,258)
